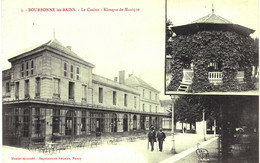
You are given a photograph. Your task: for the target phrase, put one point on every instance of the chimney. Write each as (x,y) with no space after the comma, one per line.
(115,79)
(122,77)
(69,47)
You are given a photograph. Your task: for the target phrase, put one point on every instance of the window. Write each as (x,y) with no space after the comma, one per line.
(17,90)
(143,93)
(32,67)
(65,69)
(77,73)
(27,68)
(38,87)
(114,97)
(26,89)
(135,102)
(84,93)
(156,109)
(7,87)
(71,90)
(71,71)
(83,121)
(150,95)
(22,70)
(56,91)
(100,95)
(150,108)
(143,107)
(125,100)
(156,96)
(27,65)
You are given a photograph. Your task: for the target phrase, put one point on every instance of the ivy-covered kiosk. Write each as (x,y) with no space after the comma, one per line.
(212,54)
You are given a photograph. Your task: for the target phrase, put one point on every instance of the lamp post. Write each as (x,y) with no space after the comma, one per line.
(173,151)
(204,126)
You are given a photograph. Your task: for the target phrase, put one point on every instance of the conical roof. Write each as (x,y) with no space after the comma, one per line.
(212,18)
(211,22)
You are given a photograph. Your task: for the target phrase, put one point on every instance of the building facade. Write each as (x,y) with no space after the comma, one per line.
(50,93)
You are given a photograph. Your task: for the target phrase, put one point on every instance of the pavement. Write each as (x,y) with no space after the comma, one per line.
(190,156)
(123,152)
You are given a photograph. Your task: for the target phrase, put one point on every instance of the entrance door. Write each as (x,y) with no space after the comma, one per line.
(99,125)
(142,122)
(125,124)
(134,122)
(114,123)
(70,123)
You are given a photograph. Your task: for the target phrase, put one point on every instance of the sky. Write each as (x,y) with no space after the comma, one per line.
(112,41)
(242,12)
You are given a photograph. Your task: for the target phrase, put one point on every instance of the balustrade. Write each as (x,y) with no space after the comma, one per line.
(214,77)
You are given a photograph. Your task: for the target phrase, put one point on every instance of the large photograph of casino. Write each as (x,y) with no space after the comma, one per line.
(210,54)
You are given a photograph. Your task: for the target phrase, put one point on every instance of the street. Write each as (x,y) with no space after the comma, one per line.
(122,152)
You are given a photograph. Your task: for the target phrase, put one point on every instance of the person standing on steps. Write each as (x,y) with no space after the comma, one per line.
(161,137)
(152,138)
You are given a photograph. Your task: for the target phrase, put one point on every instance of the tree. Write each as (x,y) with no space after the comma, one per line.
(169,34)
(191,108)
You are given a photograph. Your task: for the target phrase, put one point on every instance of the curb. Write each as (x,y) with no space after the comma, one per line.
(183,154)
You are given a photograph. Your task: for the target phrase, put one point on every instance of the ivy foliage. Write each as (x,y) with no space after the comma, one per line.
(235,52)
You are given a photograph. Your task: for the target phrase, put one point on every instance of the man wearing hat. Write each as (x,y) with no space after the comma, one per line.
(161,136)
(151,138)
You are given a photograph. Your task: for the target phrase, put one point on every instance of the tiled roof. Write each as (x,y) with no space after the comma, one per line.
(211,22)
(165,103)
(55,45)
(59,46)
(134,81)
(212,18)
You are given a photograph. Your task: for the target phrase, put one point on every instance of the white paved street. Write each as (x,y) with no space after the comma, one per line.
(122,152)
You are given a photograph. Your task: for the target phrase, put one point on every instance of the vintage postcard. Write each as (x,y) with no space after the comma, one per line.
(118,81)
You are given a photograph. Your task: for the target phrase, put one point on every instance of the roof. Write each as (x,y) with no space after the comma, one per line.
(134,81)
(212,18)
(211,22)
(97,79)
(165,103)
(55,45)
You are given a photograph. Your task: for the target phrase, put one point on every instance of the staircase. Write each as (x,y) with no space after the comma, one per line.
(184,87)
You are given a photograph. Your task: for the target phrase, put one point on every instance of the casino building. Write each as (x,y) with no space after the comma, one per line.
(50,93)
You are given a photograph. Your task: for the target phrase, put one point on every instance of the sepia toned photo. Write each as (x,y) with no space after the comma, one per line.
(212,48)
(212,76)
(129,81)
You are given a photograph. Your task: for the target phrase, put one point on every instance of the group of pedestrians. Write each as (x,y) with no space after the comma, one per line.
(152,136)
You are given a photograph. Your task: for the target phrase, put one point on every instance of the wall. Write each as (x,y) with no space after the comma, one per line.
(108,87)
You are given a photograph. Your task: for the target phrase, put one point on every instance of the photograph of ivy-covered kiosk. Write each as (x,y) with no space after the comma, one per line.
(209,55)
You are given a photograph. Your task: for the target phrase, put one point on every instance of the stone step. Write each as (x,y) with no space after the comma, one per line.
(184,86)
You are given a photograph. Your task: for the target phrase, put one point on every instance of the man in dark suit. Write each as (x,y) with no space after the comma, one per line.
(152,138)
(161,137)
